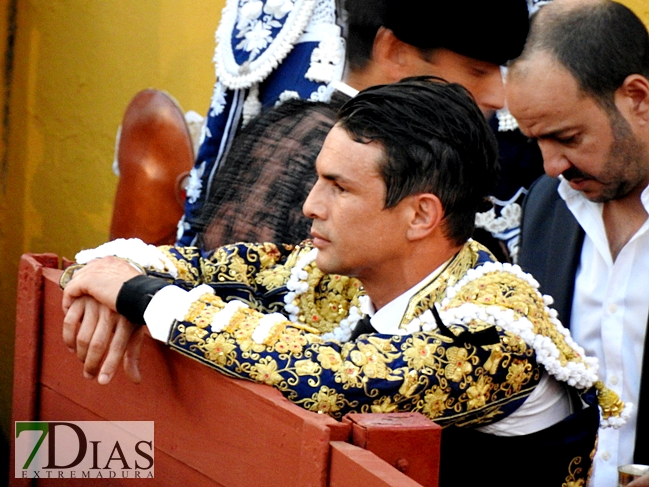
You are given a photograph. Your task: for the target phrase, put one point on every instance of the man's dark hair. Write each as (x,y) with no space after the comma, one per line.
(492,31)
(599,43)
(435,139)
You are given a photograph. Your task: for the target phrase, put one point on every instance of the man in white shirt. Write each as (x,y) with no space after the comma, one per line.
(581,89)
(450,333)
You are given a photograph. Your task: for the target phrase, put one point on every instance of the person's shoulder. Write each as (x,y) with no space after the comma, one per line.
(544,187)
(498,284)
(541,197)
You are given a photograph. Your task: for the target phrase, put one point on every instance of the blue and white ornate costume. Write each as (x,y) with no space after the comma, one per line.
(267,51)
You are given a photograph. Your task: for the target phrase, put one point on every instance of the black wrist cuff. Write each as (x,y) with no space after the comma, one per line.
(136,294)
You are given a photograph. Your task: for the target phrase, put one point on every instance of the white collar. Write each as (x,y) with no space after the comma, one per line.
(344,88)
(388,318)
(572,196)
(589,215)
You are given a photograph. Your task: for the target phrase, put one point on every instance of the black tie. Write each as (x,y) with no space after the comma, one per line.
(362,327)
(488,336)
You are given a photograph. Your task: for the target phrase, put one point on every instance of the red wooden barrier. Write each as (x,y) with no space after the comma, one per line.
(405,441)
(354,467)
(209,429)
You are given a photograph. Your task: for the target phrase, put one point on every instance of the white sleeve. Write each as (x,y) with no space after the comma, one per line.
(548,404)
(169,304)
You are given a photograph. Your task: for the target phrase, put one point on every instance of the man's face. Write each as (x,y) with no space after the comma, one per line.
(483,79)
(353,231)
(596,152)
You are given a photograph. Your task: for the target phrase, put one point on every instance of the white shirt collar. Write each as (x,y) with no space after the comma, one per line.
(589,215)
(388,318)
(572,196)
(344,88)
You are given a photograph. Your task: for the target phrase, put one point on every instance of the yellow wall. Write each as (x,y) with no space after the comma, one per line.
(77,64)
(639,7)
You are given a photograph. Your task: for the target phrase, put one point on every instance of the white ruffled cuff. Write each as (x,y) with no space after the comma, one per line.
(169,304)
(133,249)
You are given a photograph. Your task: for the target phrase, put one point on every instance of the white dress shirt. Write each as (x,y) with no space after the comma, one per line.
(609,319)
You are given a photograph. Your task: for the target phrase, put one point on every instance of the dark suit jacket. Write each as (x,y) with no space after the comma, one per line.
(550,247)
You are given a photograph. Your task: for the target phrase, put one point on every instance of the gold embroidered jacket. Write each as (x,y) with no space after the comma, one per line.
(266,313)
(442,375)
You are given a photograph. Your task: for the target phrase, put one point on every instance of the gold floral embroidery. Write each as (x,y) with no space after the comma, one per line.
(508,291)
(243,322)
(420,354)
(328,299)
(194,333)
(266,371)
(373,363)
(435,402)
(349,374)
(218,349)
(519,373)
(307,367)
(273,278)
(237,270)
(269,255)
(459,365)
(327,401)
(202,311)
(247,344)
(478,393)
(384,405)
(186,271)
(329,358)
(291,341)
(609,402)
(491,365)
(422,372)
(410,384)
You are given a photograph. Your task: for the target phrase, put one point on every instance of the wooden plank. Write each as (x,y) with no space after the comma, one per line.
(28,332)
(169,471)
(352,466)
(229,430)
(409,442)
(28,343)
